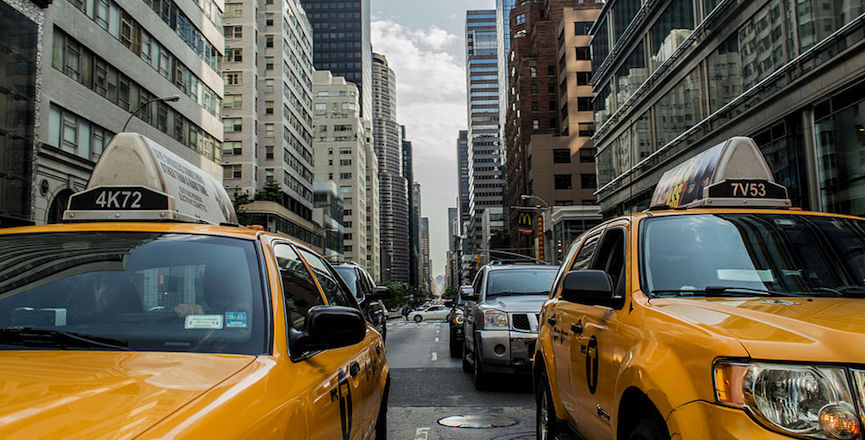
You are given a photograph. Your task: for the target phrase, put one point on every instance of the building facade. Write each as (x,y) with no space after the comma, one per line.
(343,154)
(341,43)
(549,116)
(463,179)
(426,279)
(484,158)
(681,76)
(328,212)
(267,114)
(99,63)
(393,187)
(503,35)
(414,214)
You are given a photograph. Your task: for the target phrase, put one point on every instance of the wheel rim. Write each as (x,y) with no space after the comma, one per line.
(543,415)
(418,318)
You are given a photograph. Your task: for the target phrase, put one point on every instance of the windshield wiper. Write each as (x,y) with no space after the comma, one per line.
(58,338)
(715,290)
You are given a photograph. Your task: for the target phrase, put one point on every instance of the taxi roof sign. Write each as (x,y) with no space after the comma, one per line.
(138,179)
(730,174)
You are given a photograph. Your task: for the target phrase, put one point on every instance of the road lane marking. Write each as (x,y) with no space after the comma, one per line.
(421,434)
(434,356)
(437,339)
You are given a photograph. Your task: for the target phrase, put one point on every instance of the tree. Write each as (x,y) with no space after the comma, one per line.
(270,192)
(450,293)
(240,200)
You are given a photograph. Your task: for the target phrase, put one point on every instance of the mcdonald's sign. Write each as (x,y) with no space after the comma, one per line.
(524,223)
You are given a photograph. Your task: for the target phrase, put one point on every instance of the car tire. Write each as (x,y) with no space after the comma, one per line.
(418,318)
(545,414)
(384,332)
(479,378)
(467,366)
(649,429)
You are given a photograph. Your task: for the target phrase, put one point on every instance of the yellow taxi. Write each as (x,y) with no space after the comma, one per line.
(719,313)
(147,314)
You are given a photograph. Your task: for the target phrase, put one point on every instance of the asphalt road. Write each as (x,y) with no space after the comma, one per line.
(427,385)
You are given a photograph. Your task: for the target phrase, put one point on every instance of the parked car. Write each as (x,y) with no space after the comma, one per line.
(367,294)
(436,311)
(501,319)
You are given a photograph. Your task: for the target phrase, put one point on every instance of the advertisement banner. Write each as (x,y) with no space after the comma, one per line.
(524,223)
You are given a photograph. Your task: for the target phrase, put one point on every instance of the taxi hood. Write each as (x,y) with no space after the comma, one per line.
(774,328)
(95,395)
(516,303)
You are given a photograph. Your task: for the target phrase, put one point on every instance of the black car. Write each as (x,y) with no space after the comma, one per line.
(367,294)
(456,319)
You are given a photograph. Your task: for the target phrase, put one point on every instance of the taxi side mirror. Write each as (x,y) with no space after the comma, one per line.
(328,327)
(591,287)
(379,293)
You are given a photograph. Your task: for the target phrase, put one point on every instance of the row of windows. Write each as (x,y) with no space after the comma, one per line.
(174,17)
(108,15)
(296,186)
(565,181)
(106,80)
(76,135)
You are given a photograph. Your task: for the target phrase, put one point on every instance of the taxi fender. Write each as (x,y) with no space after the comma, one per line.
(546,362)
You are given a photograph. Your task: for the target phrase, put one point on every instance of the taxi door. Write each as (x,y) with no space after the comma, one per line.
(599,343)
(355,377)
(564,342)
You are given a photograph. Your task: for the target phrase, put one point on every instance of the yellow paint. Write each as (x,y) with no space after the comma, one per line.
(48,394)
(665,348)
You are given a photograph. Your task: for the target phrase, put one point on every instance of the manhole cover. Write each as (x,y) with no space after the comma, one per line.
(477,421)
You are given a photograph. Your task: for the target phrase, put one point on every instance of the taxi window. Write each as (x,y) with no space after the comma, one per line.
(138,291)
(563,269)
(611,259)
(584,257)
(298,287)
(328,280)
(753,254)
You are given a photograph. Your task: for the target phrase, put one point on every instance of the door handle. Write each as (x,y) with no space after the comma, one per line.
(577,328)
(552,320)
(353,369)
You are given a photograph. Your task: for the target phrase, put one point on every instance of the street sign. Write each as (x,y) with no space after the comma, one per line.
(541,239)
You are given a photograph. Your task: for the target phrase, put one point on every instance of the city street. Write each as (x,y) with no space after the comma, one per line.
(427,385)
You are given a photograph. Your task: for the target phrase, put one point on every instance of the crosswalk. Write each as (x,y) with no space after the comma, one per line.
(402,322)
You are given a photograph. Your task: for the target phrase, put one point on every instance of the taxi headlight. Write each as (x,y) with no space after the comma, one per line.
(798,400)
(495,320)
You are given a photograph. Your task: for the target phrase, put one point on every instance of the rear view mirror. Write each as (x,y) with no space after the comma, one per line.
(379,293)
(328,327)
(592,287)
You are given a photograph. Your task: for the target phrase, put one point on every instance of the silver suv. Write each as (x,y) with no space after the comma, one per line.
(501,319)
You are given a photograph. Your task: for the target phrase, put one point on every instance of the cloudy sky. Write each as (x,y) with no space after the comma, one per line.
(424,44)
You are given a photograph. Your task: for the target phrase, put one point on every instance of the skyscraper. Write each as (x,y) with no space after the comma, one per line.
(463,177)
(427,283)
(503,34)
(484,149)
(267,113)
(393,187)
(414,216)
(341,39)
(415,238)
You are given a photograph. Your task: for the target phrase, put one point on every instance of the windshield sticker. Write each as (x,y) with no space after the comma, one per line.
(203,322)
(235,320)
(752,275)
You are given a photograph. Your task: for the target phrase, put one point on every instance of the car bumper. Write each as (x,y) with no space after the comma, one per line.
(504,351)
(704,420)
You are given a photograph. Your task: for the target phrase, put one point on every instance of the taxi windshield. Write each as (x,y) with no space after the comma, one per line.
(130,291)
(520,282)
(753,254)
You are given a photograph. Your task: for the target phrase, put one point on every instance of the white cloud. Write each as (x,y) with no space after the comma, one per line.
(431,103)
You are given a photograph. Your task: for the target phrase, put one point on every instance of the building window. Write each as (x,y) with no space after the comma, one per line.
(588,181)
(232,148)
(534,88)
(561,155)
(268,19)
(268,152)
(233,9)
(268,63)
(233,78)
(584,104)
(268,175)
(268,130)
(233,101)
(345,162)
(562,181)
(231,125)
(582,27)
(347,236)
(586,129)
(534,106)
(584,78)
(232,171)
(345,175)
(551,71)
(533,71)
(233,32)
(520,19)
(233,55)
(268,107)
(551,88)
(535,124)
(587,155)
(268,41)
(583,54)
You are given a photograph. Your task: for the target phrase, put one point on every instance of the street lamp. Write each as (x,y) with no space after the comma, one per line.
(172,98)
(527,197)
